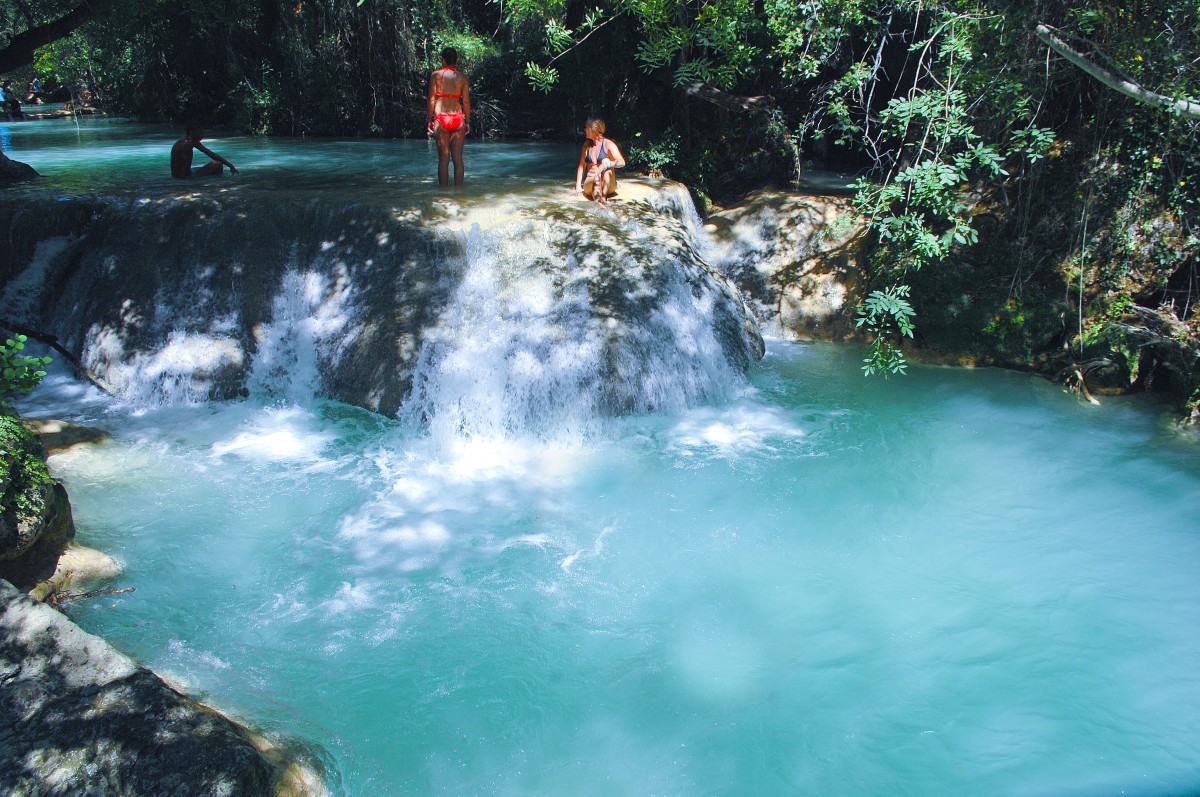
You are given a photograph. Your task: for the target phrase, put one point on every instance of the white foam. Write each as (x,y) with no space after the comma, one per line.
(181,371)
(308,315)
(726,432)
(277,435)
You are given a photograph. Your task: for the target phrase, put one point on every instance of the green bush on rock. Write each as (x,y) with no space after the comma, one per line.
(35,516)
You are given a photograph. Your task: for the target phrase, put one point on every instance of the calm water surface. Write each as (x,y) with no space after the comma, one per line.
(119,156)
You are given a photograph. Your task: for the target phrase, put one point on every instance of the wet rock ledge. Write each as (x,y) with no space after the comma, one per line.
(77,717)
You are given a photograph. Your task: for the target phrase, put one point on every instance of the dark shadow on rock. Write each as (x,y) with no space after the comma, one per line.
(77,717)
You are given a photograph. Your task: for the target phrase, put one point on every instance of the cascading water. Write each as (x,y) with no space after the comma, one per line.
(513,354)
(572,316)
(798,582)
(306,313)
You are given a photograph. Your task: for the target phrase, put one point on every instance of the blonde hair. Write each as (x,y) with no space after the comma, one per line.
(594,124)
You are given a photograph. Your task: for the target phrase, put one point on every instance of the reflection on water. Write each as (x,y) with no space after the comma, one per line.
(960,582)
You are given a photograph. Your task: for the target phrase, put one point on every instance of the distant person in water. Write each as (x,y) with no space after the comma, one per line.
(449,115)
(596,178)
(11,102)
(181,157)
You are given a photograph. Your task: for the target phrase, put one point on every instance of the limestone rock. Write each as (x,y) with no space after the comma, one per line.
(59,435)
(77,717)
(212,296)
(78,567)
(797,257)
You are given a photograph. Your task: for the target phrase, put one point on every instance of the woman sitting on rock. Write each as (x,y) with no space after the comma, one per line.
(595,178)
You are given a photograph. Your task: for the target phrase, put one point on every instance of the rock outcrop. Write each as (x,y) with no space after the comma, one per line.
(35,515)
(77,717)
(12,171)
(797,258)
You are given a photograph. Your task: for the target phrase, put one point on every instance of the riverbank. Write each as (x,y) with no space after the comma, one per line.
(77,716)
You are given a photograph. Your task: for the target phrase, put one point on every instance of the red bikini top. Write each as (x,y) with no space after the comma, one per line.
(441,74)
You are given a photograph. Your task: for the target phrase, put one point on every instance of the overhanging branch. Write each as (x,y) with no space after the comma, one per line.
(710,93)
(729,102)
(19,51)
(1185,108)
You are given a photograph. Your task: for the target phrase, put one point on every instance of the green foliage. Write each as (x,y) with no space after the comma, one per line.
(542,79)
(888,316)
(952,111)
(24,476)
(19,373)
(655,157)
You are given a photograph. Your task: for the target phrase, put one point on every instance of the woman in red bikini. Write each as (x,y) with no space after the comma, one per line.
(449,115)
(595,178)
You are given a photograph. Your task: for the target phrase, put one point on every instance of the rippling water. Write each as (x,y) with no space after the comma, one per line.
(959,582)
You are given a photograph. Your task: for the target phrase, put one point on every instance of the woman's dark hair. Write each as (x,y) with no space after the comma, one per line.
(450,56)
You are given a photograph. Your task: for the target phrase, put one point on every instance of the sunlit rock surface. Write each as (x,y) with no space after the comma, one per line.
(209,295)
(77,717)
(796,258)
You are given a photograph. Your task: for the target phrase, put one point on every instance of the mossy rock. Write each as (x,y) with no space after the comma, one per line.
(35,515)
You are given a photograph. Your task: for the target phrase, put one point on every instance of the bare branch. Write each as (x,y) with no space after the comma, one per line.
(52,342)
(1185,108)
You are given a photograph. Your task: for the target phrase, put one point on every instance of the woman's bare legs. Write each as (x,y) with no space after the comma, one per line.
(457,139)
(607,187)
(450,147)
(443,145)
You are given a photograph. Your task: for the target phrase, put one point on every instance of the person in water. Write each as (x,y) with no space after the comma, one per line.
(181,157)
(596,178)
(449,115)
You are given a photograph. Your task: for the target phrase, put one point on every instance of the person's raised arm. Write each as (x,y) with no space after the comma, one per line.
(215,156)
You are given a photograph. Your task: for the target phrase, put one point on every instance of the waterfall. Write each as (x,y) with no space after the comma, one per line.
(307,312)
(512,353)
(539,317)
(534,343)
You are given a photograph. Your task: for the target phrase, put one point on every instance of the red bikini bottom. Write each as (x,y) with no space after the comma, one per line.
(450,121)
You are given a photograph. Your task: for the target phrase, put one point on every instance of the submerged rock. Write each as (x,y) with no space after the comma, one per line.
(59,435)
(77,717)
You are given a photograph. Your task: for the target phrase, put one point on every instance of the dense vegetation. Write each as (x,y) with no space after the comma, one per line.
(1042,218)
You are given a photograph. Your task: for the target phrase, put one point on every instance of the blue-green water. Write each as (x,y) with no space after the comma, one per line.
(959,582)
(114,155)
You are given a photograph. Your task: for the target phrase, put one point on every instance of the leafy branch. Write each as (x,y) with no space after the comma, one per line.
(888,316)
(19,373)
